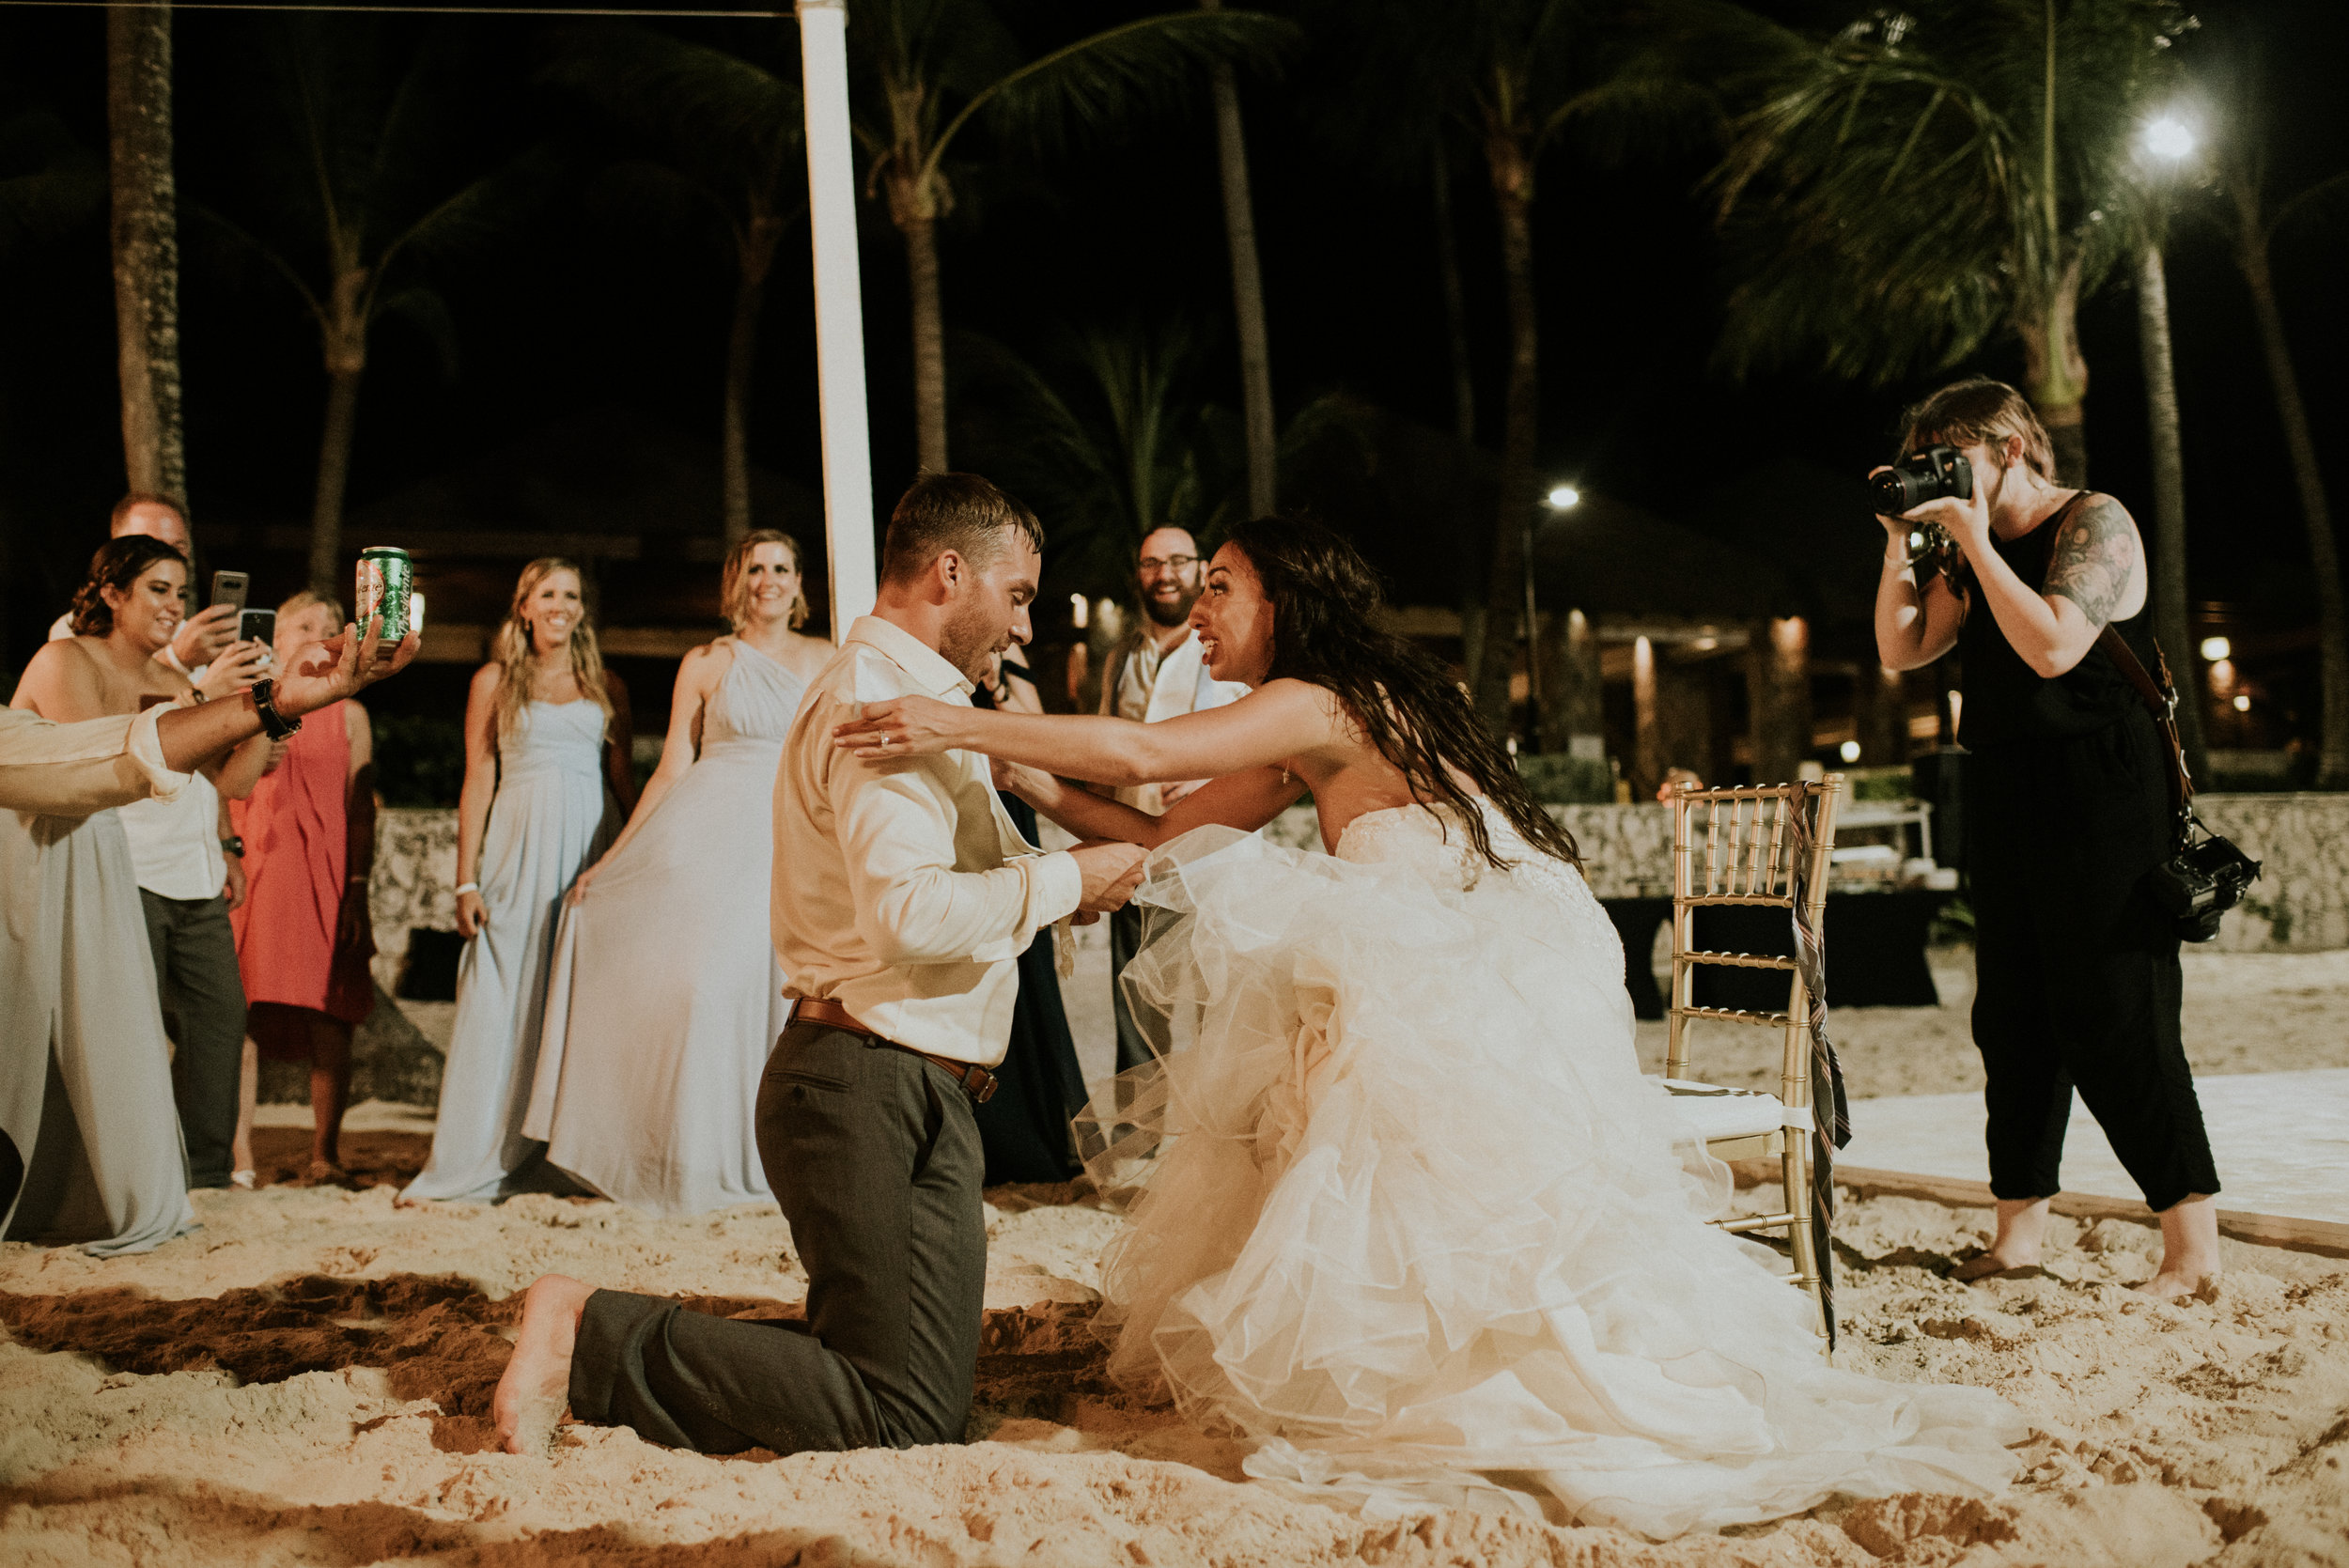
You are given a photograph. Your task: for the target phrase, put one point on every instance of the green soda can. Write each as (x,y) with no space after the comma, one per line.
(386,578)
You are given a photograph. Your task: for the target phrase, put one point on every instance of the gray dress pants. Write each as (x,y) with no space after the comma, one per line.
(873,1155)
(203,1001)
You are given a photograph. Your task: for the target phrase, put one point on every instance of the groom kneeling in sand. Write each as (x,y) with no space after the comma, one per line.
(903,899)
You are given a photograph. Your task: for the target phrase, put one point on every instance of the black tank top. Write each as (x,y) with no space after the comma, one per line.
(2007,702)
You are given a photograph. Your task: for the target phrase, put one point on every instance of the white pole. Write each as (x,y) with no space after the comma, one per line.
(839,309)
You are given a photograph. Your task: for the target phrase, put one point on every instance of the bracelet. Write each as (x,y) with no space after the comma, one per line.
(464,888)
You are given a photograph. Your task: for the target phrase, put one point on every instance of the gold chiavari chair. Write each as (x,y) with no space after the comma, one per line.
(1765,847)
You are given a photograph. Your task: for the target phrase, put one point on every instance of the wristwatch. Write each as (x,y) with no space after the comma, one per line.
(234,845)
(273,723)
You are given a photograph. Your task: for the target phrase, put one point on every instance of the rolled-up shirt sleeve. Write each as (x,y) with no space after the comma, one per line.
(74,770)
(896,824)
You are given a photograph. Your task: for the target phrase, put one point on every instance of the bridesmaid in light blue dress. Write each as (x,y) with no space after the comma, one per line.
(546,731)
(666,997)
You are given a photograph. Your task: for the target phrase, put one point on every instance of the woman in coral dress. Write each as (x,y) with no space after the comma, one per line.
(302,936)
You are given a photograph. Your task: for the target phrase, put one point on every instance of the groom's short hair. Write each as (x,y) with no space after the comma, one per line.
(961,512)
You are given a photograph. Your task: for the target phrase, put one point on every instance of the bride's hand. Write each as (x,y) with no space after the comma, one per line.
(578,895)
(902,727)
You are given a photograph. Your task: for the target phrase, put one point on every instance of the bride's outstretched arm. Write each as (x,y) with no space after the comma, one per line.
(1243,801)
(1266,728)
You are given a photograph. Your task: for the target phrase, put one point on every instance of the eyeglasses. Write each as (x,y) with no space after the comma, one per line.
(1151,564)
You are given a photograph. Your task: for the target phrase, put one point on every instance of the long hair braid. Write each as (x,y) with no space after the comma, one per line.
(1326,631)
(511,651)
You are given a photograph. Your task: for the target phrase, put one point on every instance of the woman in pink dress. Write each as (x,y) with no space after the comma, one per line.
(302,934)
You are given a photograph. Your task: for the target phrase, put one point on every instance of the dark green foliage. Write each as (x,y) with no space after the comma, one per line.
(419,759)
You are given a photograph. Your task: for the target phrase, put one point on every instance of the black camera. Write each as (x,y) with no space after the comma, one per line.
(1923,476)
(2198,885)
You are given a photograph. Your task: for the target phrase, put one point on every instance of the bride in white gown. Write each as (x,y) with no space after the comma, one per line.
(1417,1224)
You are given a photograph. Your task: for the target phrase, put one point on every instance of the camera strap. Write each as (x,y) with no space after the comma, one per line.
(2162,702)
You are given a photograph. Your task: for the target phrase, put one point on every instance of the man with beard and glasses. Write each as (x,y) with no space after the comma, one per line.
(1155,672)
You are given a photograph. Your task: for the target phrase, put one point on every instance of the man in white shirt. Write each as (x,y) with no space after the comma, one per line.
(903,897)
(1157,672)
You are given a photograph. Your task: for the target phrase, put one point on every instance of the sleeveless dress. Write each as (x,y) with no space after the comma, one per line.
(1418,1224)
(84,1069)
(548,822)
(295,825)
(666,997)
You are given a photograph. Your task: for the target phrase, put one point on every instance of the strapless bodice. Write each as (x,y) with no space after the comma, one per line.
(554,737)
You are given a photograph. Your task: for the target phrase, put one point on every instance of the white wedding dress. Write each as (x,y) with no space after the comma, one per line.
(1418,1224)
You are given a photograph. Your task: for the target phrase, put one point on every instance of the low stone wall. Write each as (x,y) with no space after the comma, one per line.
(2300,904)
(415,876)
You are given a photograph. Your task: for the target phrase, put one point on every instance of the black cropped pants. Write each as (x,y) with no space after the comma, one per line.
(2077,982)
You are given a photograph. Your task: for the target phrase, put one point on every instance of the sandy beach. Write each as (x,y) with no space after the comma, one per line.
(305,1381)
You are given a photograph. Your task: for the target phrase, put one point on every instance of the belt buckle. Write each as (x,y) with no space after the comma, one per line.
(986,1090)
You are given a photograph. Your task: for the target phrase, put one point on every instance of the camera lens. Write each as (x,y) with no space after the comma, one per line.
(1893,493)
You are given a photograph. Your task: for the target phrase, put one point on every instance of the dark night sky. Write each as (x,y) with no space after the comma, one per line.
(565,312)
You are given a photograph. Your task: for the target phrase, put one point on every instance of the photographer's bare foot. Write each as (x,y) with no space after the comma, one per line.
(2190,1252)
(1991,1262)
(2022,1228)
(531,1395)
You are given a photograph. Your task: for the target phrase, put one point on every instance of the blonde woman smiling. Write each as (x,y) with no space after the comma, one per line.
(666,997)
(546,732)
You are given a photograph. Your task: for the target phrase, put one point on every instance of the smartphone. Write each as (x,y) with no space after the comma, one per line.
(229,589)
(256,626)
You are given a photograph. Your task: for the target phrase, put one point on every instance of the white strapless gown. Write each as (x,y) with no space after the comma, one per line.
(1423,1229)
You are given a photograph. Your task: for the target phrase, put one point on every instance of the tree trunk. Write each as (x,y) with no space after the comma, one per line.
(755,252)
(2055,375)
(929,340)
(2168,564)
(346,343)
(1504,590)
(1454,308)
(1255,351)
(2332,766)
(146,238)
(1778,686)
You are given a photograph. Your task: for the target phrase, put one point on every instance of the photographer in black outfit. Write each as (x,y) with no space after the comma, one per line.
(2068,811)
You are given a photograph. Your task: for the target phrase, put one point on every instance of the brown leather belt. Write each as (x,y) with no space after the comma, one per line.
(976,1081)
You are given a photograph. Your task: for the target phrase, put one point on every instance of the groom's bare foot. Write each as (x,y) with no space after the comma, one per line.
(1988,1264)
(535,1389)
(2022,1231)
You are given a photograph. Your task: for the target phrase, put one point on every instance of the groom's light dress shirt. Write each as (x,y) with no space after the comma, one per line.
(901,888)
(51,769)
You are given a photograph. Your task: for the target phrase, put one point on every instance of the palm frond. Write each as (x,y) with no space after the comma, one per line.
(1117,76)
(726,121)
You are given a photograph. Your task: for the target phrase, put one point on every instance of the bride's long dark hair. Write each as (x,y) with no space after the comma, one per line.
(1326,631)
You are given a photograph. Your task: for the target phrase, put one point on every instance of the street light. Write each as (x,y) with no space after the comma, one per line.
(2167,137)
(1560,498)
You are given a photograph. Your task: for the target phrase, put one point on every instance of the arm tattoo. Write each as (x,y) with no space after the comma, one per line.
(2093,557)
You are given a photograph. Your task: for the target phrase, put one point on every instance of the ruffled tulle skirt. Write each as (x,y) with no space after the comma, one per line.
(1407,1212)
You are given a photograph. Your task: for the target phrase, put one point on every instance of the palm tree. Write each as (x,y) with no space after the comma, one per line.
(360,180)
(1110,437)
(1239,230)
(2253,230)
(146,247)
(2168,454)
(729,130)
(1922,179)
(924,56)
(1514,77)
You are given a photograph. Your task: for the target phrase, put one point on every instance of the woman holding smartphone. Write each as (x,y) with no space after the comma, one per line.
(546,754)
(115,1172)
(302,936)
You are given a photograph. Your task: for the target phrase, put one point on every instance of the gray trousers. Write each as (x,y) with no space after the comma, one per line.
(203,1001)
(1133,1047)
(873,1155)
